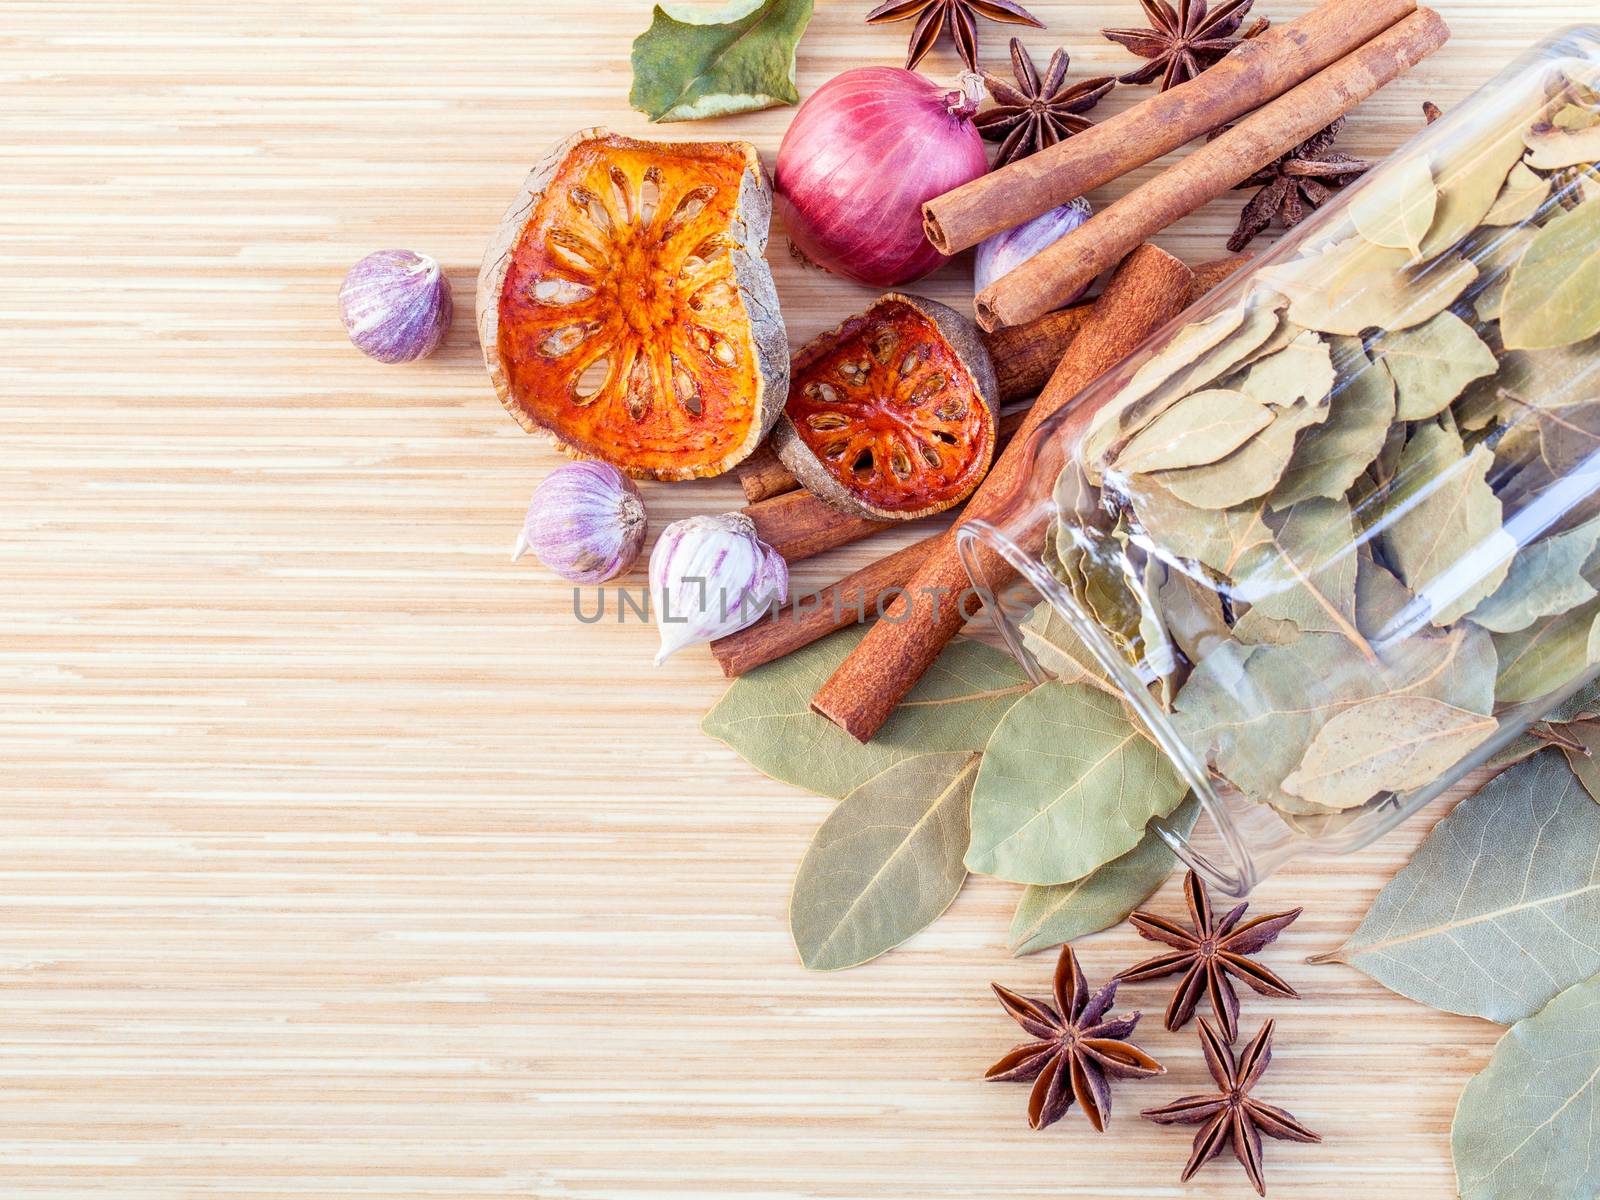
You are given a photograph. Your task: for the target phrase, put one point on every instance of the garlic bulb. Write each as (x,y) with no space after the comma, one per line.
(712,576)
(586,523)
(396,305)
(1005,252)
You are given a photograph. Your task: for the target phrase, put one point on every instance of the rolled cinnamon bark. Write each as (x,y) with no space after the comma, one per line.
(853,599)
(1060,270)
(1024,356)
(1148,289)
(1259,70)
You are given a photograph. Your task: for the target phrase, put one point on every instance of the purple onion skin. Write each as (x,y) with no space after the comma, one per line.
(396,306)
(862,155)
(586,523)
(1005,252)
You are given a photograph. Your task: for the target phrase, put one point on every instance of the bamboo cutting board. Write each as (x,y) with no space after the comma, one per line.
(340,860)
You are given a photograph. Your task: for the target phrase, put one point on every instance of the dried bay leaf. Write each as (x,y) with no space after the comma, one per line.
(1067,784)
(1057,648)
(1049,916)
(1219,538)
(1199,429)
(1520,197)
(1546,578)
(1302,370)
(1469,185)
(1442,526)
(1390,744)
(1328,458)
(1193,357)
(695,63)
(1251,711)
(1191,609)
(1553,297)
(1525,1124)
(1496,911)
(1395,207)
(1430,364)
(1583,760)
(1557,147)
(886,863)
(1306,576)
(1547,654)
(766,716)
(1354,285)
(1250,471)
(1496,254)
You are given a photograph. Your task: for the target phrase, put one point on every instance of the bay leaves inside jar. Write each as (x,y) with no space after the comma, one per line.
(1430,364)
(1553,297)
(1441,524)
(1520,198)
(1301,370)
(1199,429)
(1353,285)
(1395,208)
(1469,181)
(1390,744)
(1542,657)
(1546,579)
(1328,458)
(1305,578)
(1557,147)
(1250,471)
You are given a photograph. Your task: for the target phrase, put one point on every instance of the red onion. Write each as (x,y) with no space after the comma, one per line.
(863,154)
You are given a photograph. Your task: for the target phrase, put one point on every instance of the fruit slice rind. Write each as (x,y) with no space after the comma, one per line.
(626,309)
(892,414)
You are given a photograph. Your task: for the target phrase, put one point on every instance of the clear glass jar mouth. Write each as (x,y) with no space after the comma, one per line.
(1236,878)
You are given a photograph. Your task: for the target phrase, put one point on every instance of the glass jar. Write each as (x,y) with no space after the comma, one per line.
(1333,535)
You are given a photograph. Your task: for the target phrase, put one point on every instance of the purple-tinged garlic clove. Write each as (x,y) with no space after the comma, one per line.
(586,522)
(1003,253)
(396,305)
(712,576)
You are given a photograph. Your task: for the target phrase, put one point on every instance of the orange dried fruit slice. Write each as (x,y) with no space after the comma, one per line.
(892,416)
(626,309)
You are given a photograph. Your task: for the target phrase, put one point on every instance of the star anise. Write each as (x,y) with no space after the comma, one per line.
(932,15)
(1295,183)
(1184,41)
(1232,1117)
(1208,954)
(1077,1047)
(1033,113)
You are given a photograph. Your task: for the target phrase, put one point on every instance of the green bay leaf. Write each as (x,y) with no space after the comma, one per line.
(1067,784)
(1354,285)
(886,862)
(1547,654)
(1430,364)
(1525,1124)
(1219,538)
(1585,758)
(1546,578)
(1470,176)
(696,63)
(1442,526)
(1250,471)
(1553,297)
(1520,197)
(1390,744)
(1496,911)
(1057,648)
(1049,916)
(1306,576)
(766,715)
(1301,370)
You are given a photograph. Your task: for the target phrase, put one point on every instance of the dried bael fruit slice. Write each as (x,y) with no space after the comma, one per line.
(625,308)
(891,416)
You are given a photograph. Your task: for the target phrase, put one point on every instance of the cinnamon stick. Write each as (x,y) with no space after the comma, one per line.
(1148,289)
(1259,70)
(1062,269)
(1024,356)
(853,599)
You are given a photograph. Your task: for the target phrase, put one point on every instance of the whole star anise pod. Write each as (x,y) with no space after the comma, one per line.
(1034,113)
(1077,1047)
(933,15)
(1294,184)
(1232,1117)
(1184,41)
(1208,954)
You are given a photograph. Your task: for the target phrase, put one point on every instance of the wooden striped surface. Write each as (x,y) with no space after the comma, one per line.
(339,859)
